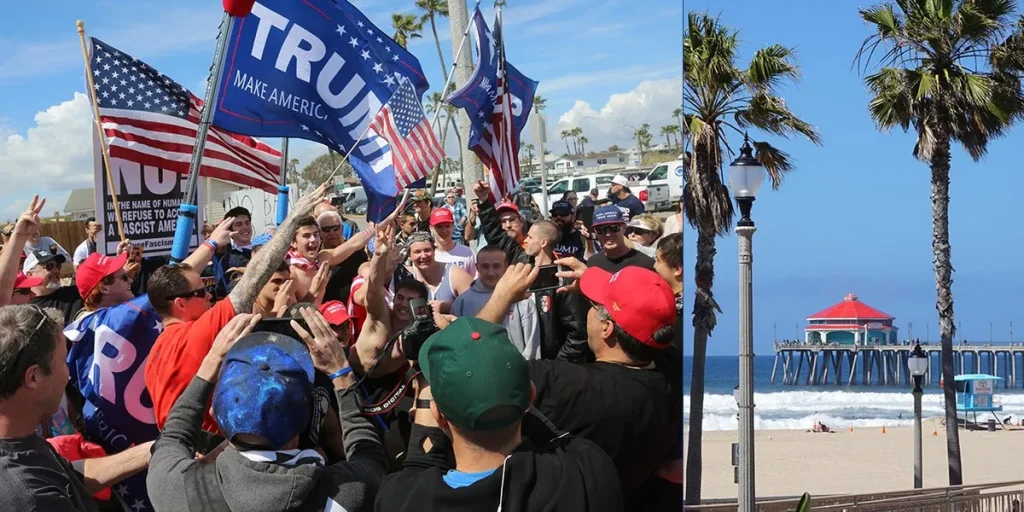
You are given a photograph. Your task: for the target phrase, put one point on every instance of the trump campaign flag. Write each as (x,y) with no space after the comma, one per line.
(107,362)
(320,70)
(497,99)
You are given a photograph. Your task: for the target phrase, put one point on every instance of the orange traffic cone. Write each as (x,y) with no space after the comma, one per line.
(883,429)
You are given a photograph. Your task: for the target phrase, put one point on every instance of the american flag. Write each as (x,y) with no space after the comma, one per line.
(414,148)
(499,144)
(150,119)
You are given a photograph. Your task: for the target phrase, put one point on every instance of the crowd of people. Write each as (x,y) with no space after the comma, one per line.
(459,357)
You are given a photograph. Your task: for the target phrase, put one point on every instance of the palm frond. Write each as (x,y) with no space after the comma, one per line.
(771,114)
(769,67)
(775,161)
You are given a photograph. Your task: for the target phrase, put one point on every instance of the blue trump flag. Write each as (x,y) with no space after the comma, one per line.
(498,106)
(107,360)
(318,70)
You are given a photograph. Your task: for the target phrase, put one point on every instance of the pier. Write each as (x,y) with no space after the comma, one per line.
(886,365)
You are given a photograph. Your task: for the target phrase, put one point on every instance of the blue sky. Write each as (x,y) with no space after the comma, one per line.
(855,215)
(602,64)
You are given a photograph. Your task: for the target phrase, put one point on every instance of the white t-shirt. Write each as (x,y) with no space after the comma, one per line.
(460,255)
(81,253)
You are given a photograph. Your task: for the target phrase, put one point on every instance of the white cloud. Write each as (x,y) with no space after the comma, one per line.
(56,153)
(652,101)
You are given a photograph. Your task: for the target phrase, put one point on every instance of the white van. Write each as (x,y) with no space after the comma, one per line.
(670,174)
(351,194)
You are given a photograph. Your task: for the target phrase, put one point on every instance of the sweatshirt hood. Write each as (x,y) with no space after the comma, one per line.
(263,486)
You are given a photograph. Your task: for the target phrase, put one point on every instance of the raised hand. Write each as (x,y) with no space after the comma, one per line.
(327,352)
(284,298)
(235,329)
(318,286)
(385,238)
(222,234)
(28,222)
(124,246)
(575,271)
(482,191)
(307,202)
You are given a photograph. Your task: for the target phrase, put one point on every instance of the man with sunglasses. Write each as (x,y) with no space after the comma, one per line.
(103,282)
(610,228)
(571,243)
(335,230)
(191,322)
(33,476)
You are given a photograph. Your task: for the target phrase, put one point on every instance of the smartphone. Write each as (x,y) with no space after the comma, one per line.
(546,279)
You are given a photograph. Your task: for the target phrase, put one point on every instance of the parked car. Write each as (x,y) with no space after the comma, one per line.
(669,174)
(602,182)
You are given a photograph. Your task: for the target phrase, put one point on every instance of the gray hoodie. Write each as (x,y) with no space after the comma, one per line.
(521,322)
(255,486)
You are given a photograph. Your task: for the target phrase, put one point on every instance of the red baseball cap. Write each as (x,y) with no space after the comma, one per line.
(22,281)
(639,300)
(506,205)
(335,312)
(95,268)
(440,216)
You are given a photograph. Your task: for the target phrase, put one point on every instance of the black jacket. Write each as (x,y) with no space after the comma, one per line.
(562,473)
(497,236)
(563,326)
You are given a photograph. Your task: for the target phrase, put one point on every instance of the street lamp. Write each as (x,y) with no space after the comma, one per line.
(745,177)
(918,364)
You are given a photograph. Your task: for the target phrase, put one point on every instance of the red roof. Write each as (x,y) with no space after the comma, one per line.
(845,327)
(850,309)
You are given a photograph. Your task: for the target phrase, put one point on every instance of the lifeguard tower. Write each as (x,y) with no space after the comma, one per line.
(975,394)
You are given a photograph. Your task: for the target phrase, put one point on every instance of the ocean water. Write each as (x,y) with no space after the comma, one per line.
(800,407)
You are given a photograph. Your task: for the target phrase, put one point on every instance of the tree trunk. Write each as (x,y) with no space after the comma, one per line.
(944,297)
(567,146)
(440,54)
(704,321)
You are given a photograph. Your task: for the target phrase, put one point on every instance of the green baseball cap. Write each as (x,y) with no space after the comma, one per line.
(477,377)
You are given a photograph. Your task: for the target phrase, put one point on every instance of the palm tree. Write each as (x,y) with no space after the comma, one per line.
(576,133)
(583,145)
(540,103)
(717,95)
(952,71)
(431,9)
(527,149)
(407,27)
(566,135)
(666,131)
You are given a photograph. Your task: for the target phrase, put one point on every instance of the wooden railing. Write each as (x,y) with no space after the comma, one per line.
(1000,497)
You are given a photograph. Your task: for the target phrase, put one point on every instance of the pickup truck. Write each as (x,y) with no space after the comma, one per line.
(668,179)
(602,182)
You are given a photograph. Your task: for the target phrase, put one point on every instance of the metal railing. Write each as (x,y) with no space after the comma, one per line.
(999,497)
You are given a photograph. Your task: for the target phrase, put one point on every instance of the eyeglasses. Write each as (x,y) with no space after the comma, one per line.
(608,229)
(198,292)
(50,265)
(330,229)
(637,231)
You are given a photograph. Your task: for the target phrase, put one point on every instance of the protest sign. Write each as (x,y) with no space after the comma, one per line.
(261,205)
(148,198)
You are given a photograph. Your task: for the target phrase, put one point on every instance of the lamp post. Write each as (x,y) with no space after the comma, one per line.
(918,363)
(639,148)
(745,177)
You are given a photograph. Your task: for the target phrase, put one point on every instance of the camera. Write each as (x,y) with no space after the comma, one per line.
(420,327)
(338,201)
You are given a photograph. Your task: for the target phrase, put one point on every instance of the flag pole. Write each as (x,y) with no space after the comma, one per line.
(444,92)
(282,190)
(506,112)
(187,210)
(99,130)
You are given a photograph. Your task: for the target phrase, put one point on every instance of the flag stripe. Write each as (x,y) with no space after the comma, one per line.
(414,148)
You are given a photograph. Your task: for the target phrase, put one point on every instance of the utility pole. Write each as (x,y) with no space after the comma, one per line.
(910,331)
(542,137)
(458,19)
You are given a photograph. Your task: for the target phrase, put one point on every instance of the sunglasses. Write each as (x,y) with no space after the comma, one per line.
(607,230)
(561,214)
(22,291)
(50,265)
(637,231)
(330,229)
(198,292)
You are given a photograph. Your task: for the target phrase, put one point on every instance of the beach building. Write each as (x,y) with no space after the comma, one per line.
(850,322)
